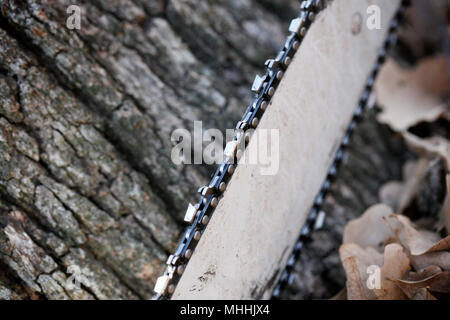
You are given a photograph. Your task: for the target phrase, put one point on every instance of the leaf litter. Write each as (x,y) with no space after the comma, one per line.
(386,254)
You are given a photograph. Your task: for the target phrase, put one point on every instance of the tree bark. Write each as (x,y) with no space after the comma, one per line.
(86,118)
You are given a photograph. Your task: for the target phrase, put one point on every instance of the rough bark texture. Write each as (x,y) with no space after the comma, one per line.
(86,117)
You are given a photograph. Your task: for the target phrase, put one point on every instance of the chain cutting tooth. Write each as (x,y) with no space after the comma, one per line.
(190,213)
(170,259)
(258,83)
(161,284)
(372,100)
(231,148)
(273,64)
(320,220)
(298,23)
(242,125)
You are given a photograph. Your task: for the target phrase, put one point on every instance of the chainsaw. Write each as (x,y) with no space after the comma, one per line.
(314,92)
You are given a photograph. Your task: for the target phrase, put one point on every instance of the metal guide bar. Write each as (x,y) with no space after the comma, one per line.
(198,215)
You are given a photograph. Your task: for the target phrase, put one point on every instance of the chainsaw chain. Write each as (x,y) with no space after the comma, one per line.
(264,87)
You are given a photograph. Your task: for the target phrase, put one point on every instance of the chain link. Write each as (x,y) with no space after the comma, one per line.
(264,87)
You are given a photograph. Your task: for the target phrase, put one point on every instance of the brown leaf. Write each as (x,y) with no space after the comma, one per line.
(439,283)
(414,174)
(418,243)
(370,229)
(423,294)
(441,259)
(423,274)
(429,148)
(390,193)
(378,226)
(409,97)
(355,290)
(396,264)
(356,262)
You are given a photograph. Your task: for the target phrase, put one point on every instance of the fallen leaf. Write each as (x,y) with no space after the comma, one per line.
(430,147)
(355,290)
(370,229)
(423,294)
(417,242)
(440,259)
(423,274)
(439,282)
(390,193)
(396,264)
(414,174)
(356,262)
(408,97)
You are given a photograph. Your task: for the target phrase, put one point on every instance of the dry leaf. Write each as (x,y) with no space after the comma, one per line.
(409,97)
(414,174)
(423,274)
(418,243)
(404,246)
(370,229)
(440,259)
(399,195)
(429,148)
(439,283)
(423,294)
(396,264)
(356,262)
(355,290)
(390,193)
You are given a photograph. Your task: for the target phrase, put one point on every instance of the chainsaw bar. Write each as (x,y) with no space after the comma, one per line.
(264,87)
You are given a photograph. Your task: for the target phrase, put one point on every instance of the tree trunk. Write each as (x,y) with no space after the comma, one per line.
(87,188)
